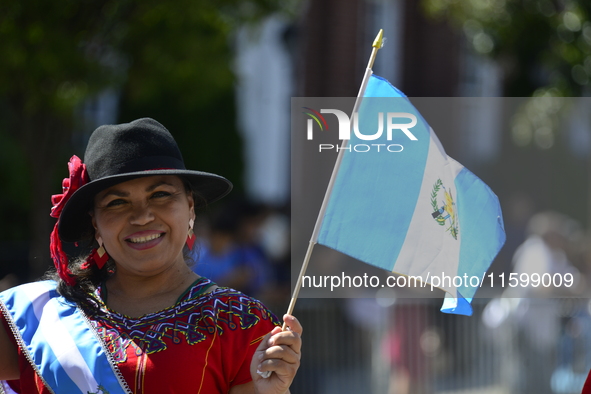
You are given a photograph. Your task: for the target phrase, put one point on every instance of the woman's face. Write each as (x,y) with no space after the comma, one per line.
(144,223)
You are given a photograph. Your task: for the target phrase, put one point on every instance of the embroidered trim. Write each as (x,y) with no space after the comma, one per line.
(215,336)
(195,318)
(110,358)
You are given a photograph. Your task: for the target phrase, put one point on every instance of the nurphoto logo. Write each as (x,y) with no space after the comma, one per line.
(393,125)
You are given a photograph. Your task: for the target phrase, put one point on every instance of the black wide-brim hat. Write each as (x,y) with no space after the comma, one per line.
(119,153)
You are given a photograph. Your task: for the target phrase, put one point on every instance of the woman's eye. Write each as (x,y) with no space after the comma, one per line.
(115,203)
(160,194)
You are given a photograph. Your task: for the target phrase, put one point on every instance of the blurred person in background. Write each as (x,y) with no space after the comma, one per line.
(230,254)
(550,238)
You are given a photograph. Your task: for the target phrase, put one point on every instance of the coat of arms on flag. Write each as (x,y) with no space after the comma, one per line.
(444,212)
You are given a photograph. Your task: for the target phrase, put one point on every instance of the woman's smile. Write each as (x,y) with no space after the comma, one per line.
(145,239)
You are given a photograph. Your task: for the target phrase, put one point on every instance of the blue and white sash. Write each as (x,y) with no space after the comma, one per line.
(59,342)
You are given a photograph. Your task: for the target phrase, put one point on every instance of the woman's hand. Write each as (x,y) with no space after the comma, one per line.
(279,353)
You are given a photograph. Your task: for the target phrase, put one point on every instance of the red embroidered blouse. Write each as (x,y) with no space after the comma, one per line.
(202,344)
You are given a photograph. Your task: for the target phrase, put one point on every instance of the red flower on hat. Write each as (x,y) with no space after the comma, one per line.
(78,178)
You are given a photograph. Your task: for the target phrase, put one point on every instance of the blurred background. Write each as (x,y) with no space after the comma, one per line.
(220,76)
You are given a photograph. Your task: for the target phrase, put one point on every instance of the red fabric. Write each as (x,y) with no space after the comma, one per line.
(78,178)
(587,386)
(204,344)
(31,382)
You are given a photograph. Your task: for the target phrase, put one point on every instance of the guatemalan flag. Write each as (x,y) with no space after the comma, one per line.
(415,212)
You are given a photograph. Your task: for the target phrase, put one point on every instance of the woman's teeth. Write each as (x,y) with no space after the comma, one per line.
(140,240)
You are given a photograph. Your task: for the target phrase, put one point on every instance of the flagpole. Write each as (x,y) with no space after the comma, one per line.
(377,44)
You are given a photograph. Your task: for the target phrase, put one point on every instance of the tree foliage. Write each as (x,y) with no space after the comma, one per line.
(544,46)
(167,60)
(544,50)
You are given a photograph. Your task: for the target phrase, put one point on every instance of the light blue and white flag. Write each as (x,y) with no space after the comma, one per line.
(406,207)
(60,343)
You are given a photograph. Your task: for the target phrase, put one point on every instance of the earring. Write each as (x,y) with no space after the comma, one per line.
(191,237)
(99,256)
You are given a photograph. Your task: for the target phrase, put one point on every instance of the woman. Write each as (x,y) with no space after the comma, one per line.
(131,316)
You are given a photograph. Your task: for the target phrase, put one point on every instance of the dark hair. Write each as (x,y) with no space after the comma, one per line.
(89,278)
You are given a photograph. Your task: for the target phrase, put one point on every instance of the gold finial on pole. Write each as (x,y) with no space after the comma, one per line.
(379,41)
(377,44)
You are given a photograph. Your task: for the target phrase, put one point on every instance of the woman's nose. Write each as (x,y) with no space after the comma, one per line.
(141,214)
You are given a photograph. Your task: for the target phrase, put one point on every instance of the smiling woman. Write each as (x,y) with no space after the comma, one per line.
(130,316)
(150,215)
